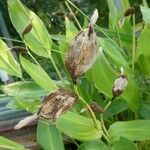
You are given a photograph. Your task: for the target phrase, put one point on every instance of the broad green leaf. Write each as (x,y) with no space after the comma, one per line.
(7,62)
(71,30)
(78,127)
(29,104)
(11,145)
(143,55)
(23,89)
(38,74)
(116,107)
(116,11)
(136,130)
(114,55)
(144,109)
(93,145)
(124,144)
(37,39)
(104,77)
(146,14)
(48,137)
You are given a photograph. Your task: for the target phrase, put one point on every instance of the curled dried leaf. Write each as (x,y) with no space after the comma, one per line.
(28,28)
(82,52)
(56,103)
(53,106)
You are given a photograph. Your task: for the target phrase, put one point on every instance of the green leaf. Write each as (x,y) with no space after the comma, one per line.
(38,74)
(8,144)
(143,55)
(71,30)
(37,39)
(28,104)
(104,77)
(146,14)
(48,137)
(116,107)
(124,144)
(7,62)
(78,127)
(93,145)
(116,11)
(137,130)
(23,89)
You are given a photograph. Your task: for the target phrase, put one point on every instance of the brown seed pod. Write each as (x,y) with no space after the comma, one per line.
(129,11)
(56,103)
(96,107)
(119,85)
(28,28)
(18,49)
(82,50)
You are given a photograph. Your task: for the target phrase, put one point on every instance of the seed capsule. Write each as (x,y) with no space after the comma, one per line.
(119,85)
(129,11)
(18,49)
(96,107)
(82,50)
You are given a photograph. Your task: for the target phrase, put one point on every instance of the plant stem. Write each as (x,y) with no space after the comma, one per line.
(73,15)
(103,125)
(109,103)
(33,58)
(88,107)
(57,71)
(106,138)
(133,43)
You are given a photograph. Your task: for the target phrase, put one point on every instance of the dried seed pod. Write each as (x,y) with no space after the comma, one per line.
(119,85)
(129,11)
(53,106)
(28,28)
(96,107)
(56,103)
(18,49)
(82,50)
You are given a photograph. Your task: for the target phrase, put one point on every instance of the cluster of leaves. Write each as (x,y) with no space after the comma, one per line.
(126,50)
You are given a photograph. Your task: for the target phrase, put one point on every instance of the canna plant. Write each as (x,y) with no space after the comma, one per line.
(94,102)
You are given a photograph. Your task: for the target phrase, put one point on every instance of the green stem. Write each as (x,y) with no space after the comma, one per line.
(107,105)
(88,107)
(57,71)
(103,125)
(33,58)
(73,15)
(106,138)
(133,43)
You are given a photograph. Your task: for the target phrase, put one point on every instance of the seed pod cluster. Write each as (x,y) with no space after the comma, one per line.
(82,50)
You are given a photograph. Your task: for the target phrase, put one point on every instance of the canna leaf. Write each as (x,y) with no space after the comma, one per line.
(78,127)
(38,74)
(37,38)
(7,61)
